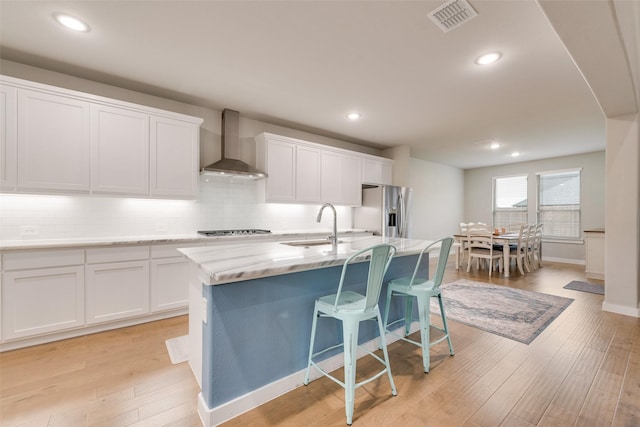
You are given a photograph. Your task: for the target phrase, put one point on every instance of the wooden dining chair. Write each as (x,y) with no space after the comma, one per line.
(520,251)
(535,245)
(481,247)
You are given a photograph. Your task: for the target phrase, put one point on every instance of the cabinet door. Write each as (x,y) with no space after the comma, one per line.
(595,244)
(351,175)
(308,164)
(53,142)
(42,300)
(117,290)
(341,179)
(8,137)
(175,148)
(376,171)
(281,166)
(169,283)
(331,180)
(119,151)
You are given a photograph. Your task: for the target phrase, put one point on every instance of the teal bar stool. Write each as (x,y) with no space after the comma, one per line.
(352,308)
(423,290)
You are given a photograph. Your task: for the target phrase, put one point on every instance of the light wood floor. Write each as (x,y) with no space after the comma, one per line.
(583,370)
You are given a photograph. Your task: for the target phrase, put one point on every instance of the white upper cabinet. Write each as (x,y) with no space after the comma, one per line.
(304,172)
(8,137)
(308,174)
(278,159)
(341,179)
(53,142)
(175,149)
(119,151)
(59,140)
(377,171)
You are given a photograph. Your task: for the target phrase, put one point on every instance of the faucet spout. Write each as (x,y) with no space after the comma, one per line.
(334,236)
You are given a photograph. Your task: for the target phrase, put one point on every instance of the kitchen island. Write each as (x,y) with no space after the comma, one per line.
(251,308)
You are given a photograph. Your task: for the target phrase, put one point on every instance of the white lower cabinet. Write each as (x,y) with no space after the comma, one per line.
(41,301)
(42,292)
(117,283)
(169,270)
(117,291)
(51,294)
(595,245)
(169,289)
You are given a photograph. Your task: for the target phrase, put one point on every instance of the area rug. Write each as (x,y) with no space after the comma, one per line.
(512,313)
(577,285)
(178,349)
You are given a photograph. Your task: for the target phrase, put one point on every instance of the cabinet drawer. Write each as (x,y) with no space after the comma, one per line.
(116,254)
(170,251)
(42,259)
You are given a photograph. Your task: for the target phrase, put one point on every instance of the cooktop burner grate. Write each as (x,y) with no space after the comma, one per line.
(240,232)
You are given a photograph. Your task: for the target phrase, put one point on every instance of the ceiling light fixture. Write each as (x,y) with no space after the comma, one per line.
(488,58)
(71,23)
(354,116)
(515,154)
(494,146)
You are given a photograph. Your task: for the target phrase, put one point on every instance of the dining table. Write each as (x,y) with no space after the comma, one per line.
(504,239)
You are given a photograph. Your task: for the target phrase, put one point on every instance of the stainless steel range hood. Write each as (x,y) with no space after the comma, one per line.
(227,166)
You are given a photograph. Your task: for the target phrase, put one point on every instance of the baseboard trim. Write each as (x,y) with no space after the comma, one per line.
(564,260)
(621,309)
(214,416)
(86,330)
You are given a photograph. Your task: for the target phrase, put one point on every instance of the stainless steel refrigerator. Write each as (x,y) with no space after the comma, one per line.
(384,210)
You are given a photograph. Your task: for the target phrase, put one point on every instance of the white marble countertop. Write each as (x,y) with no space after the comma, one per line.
(243,261)
(163,239)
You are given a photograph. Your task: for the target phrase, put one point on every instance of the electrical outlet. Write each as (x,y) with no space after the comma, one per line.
(162,226)
(29,230)
(204,310)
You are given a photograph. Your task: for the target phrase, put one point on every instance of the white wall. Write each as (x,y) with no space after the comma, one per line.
(438,199)
(622,244)
(479,189)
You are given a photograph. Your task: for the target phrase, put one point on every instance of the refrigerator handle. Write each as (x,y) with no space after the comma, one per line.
(401,215)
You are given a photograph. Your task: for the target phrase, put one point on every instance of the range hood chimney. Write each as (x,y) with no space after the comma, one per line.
(227,166)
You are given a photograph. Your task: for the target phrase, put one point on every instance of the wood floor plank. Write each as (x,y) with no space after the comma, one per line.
(628,411)
(534,402)
(556,416)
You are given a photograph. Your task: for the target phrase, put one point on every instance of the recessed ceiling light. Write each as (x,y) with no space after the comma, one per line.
(70,22)
(515,154)
(488,58)
(494,146)
(354,116)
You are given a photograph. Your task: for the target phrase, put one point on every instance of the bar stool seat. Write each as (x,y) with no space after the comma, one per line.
(352,308)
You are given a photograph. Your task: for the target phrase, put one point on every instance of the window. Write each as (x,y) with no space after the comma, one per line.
(559,203)
(509,201)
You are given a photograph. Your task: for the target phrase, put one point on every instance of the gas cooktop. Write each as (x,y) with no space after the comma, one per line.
(240,232)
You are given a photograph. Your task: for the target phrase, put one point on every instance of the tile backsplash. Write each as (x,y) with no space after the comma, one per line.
(222,204)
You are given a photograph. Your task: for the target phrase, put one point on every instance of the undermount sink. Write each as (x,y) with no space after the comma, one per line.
(309,243)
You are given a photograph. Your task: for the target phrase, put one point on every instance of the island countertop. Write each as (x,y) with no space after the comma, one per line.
(243,261)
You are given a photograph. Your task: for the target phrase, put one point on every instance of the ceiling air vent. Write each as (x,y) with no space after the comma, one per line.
(452,14)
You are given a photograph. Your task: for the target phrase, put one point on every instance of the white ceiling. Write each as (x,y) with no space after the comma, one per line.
(305,64)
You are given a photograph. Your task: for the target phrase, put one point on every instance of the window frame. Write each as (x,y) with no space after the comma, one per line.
(495,209)
(540,210)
